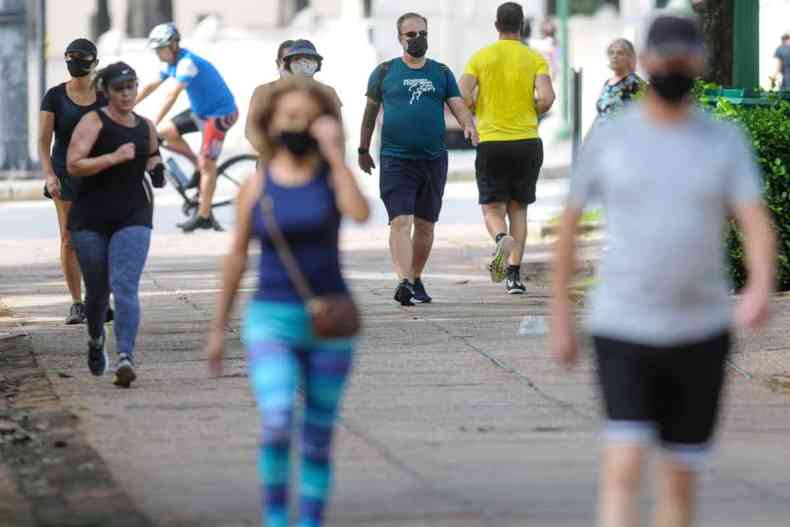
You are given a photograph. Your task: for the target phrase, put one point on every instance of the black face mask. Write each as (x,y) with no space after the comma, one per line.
(672,87)
(299,144)
(79,67)
(417,47)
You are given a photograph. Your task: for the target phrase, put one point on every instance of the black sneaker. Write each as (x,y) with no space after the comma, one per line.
(97,356)
(420,295)
(76,314)
(514,286)
(124,371)
(215,224)
(404,293)
(195,223)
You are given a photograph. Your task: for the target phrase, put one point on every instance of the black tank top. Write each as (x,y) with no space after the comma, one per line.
(120,196)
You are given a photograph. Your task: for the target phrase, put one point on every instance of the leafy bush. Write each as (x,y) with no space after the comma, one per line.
(768,124)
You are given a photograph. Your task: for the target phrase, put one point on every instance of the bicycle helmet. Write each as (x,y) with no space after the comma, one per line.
(162,35)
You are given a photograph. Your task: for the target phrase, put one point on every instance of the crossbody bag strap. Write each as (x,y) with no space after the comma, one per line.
(281,246)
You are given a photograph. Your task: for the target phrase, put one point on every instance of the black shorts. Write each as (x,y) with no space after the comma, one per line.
(669,392)
(413,187)
(213,128)
(508,170)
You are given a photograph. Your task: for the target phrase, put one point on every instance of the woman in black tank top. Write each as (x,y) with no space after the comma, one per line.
(111,218)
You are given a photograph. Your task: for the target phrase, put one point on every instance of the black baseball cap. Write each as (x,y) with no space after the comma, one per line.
(671,35)
(118,72)
(82,46)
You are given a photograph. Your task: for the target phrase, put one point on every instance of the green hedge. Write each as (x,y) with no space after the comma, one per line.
(766,118)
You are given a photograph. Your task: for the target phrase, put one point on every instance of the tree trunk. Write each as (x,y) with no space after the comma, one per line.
(146,14)
(717,18)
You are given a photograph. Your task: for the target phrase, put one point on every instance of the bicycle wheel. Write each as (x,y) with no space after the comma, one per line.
(231,174)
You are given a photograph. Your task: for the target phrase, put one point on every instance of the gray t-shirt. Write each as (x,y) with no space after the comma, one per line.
(667,192)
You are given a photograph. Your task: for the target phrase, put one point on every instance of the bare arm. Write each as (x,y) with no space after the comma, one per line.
(170,100)
(147,90)
(464,118)
(544,94)
(82,141)
(235,264)
(369,118)
(563,330)
(252,131)
(348,197)
(46,127)
(468,85)
(759,240)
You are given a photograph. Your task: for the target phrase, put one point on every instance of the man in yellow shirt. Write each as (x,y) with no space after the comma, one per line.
(508,86)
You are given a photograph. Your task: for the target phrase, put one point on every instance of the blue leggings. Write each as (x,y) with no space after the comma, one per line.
(114,263)
(282,353)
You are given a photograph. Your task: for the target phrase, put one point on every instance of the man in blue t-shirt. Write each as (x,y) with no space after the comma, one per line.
(212,110)
(413,91)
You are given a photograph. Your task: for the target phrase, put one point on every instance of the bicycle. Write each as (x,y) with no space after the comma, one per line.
(231,173)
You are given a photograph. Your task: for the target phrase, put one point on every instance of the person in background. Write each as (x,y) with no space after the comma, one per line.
(294,57)
(508,86)
(782,56)
(305,187)
(61,109)
(624,85)
(661,315)
(212,112)
(549,46)
(413,91)
(112,217)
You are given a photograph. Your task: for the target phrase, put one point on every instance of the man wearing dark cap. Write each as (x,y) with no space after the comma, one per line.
(669,177)
(782,56)
(294,57)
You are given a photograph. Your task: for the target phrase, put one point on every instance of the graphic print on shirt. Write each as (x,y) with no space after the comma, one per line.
(417,87)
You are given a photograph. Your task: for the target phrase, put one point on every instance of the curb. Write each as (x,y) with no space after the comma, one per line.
(21,190)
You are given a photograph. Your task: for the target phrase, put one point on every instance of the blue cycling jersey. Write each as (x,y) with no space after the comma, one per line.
(208,94)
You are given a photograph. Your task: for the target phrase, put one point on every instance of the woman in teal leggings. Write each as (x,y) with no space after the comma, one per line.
(305,177)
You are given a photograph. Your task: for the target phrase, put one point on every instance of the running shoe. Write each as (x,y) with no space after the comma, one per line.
(420,295)
(215,224)
(195,223)
(404,293)
(498,265)
(76,314)
(97,356)
(124,371)
(514,286)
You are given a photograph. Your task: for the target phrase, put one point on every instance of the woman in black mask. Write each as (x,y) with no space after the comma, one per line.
(302,191)
(61,109)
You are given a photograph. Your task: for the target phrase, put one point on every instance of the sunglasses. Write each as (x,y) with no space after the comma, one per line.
(415,34)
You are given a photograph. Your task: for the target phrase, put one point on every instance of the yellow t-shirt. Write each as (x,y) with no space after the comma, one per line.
(505,73)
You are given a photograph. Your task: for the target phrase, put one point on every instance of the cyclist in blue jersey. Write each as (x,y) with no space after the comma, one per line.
(212,110)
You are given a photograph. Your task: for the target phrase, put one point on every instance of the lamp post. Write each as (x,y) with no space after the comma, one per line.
(563,12)
(746,44)
(13,85)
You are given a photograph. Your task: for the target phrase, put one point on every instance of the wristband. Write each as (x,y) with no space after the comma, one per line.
(362,151)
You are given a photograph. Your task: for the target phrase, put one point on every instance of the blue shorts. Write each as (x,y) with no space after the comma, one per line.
(413,187)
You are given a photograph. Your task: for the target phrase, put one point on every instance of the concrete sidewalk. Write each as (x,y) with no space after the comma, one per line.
(451,419)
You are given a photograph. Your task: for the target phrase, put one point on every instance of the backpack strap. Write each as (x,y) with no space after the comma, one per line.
(384,68)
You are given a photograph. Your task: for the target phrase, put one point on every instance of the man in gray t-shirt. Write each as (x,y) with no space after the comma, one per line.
(668,177)
(782,56)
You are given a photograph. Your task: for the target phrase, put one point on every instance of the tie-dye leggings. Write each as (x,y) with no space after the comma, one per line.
(283,357)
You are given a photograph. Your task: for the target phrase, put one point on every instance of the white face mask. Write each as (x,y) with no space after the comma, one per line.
(306,67)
